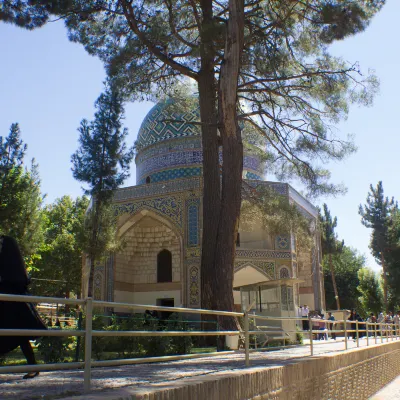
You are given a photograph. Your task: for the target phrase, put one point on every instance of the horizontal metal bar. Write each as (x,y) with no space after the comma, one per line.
(40,332)
(41,367)
(160,308)
(166,333)
(39,299)
(144,360)
(266,318)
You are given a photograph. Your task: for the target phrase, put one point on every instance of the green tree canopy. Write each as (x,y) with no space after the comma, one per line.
(102,162)
(376,215)
(59,270)
(20,195)
(371,294)
(346,265)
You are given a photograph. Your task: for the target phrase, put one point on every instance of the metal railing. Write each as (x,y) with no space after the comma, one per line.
(377,330)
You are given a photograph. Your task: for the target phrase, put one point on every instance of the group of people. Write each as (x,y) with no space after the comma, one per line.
(16,315)
(388,322)
(319,322)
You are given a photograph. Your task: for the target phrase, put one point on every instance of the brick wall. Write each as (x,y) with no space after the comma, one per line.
(137,262)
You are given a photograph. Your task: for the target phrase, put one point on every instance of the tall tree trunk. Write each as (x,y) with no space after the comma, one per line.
(385,284)
(334,282)
(209,130)
(232,167)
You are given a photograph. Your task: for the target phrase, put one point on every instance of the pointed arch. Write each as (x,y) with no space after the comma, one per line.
(145,212)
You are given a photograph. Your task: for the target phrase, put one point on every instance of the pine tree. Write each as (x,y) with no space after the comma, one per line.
(20,195)
(375,215)
(12,182)
(102,161)
(330,244)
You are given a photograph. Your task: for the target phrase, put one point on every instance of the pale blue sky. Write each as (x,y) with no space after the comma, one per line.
(49,84)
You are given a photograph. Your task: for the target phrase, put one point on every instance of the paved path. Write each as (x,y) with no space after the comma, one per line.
(52,385)
(389,392)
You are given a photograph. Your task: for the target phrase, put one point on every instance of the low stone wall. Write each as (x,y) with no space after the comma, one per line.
(355,374)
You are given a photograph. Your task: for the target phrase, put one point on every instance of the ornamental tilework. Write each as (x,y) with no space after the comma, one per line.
(98,280)
(271,254)
(176,173)
(284,298)
(137,192)
(194,286)
(282,242)
(168,160)
(251,175)
(193,252)
(194,157)
(170,207)
(267,267)
(110,277)
(284,273)
(193,223)
(161,123)
(171,146)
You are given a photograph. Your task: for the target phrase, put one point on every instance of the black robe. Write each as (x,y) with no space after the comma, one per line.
(14,280)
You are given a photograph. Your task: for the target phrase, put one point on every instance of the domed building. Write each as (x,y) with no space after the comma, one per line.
(160,220)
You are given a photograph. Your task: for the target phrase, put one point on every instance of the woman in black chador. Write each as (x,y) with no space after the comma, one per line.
(16,315)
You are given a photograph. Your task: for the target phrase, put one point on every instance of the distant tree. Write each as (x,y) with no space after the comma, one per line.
(20,195)
(102,161)
(330,244)
(12,177)
(346,264)
(375,215)
(370,289)
(59,270)
(392,260)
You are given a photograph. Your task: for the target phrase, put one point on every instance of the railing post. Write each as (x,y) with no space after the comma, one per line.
(246,338)
(357,335)
(88,344)
(311,335)
(345,333)
(366,328)
(380,326)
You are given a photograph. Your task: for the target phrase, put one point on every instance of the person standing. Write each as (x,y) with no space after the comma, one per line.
(304,314)
(332,325)
(353,317)
(16,315)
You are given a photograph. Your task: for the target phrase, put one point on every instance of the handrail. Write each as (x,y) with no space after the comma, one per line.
(383,329)
(161,308)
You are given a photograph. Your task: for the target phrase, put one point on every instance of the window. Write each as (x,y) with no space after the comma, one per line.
(148,180)
(164,266)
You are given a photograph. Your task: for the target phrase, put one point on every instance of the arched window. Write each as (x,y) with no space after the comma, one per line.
(284,273)
(148,180)
(164,266)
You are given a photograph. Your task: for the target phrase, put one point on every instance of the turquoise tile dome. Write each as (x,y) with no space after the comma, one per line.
(164,122)
(169,146)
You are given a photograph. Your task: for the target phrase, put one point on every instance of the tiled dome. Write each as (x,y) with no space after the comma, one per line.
(169,146)
(162,123)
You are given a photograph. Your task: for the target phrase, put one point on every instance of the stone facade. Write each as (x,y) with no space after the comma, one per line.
(163,212)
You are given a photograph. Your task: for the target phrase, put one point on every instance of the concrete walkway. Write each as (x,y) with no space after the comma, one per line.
(66,384)
(389,392)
